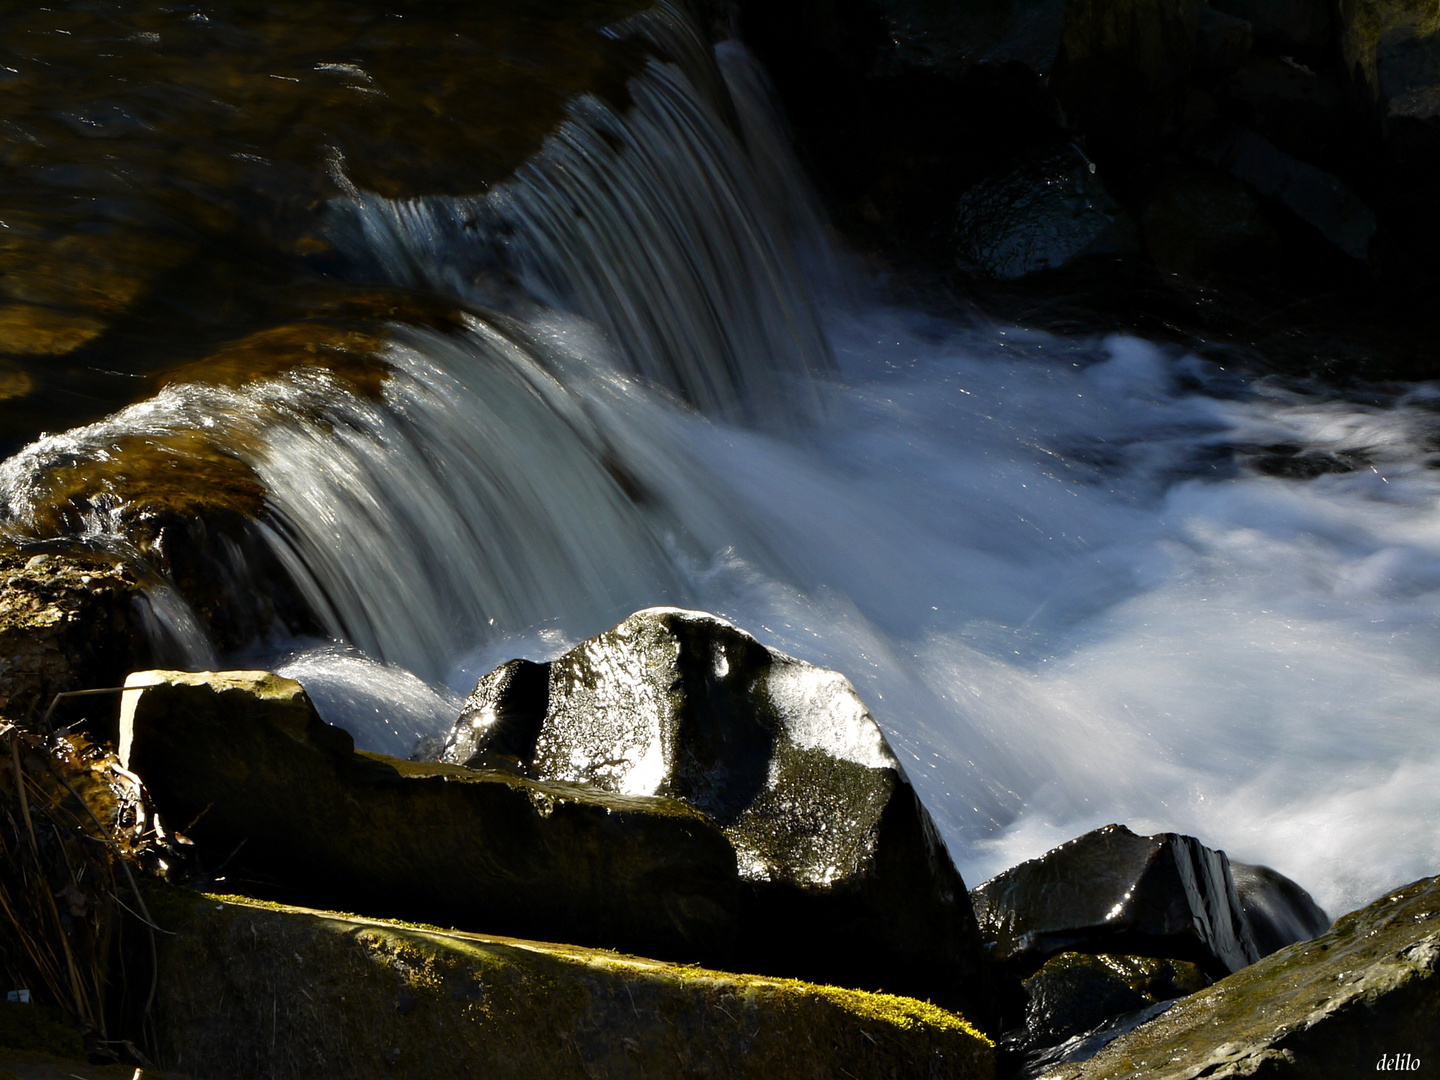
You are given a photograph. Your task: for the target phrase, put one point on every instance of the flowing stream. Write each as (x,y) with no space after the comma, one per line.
(1077,580)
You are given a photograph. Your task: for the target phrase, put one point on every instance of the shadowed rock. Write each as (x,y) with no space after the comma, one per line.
(1361,998)
(1111,891)
(845,877)
(241,763)
(1074,992)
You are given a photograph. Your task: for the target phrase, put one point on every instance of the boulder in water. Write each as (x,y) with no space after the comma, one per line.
(1278,911)
(1363,997)
(844,875)
(1111,891)
(241,763)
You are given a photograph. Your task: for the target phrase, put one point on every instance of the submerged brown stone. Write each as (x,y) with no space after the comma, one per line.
(241,763)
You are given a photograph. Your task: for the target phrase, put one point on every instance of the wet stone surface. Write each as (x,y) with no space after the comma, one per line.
(845,875)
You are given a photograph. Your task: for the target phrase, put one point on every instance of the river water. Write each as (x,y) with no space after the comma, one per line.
(1077,580)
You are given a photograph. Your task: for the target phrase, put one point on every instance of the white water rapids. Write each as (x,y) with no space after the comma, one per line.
(1050,566)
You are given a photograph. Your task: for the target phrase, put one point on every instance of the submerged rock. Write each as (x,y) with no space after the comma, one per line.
(1278,911)
(361,999)
(1346,1004)
(845,877)
(241,763)
(1111,891)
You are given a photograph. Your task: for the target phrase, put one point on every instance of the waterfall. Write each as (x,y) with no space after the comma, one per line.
(1077,580)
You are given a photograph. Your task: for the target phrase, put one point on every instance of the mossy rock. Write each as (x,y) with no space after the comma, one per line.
(35,1027)
(845,877)
(282,798)
(248,989)
(32,1065)
(1112,891)
(1365,992)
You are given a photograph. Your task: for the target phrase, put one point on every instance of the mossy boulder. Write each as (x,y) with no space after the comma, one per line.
(1111,891)
(1074,992)
(241,763)
(1365,992)
(252,990)
(845,876)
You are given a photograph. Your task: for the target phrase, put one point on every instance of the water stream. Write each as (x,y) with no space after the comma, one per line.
(1077,581)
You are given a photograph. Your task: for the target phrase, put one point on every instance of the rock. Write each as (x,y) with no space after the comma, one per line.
(1366,992)
(1075,992)
(261,990)
(71,620)
(241,763)
(1297,110)
(1199,224)
(1318,198)
(1278,910)
(845,877)
(950,38)
(1391,47)
(1111,891)
(1302,29)
(1039,216)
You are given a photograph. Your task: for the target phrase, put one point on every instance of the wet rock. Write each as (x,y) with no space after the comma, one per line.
(1038,216)
(1278,910)
(1075,992)
(845,877)
(1199,224)
(1324,1008)
(241,763)
(499,1007)
(950,38)
(1320,199)
(69,620)
(1111,891)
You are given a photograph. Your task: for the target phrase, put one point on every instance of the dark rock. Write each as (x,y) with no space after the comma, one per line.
(1040,215)
(1075,992)
(1391,47)
(1111,891)
(949,38)
(845,877)
(1302,29)
(1278,910)
(1318,1009)
(496,1007)
(1318,198)
(1087,1044)
(241,763)
(1199,224)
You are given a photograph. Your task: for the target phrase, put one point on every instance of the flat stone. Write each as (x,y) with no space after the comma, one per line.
(845,876)
(1363,997)
(250,990)
(241,763)
(1111,891)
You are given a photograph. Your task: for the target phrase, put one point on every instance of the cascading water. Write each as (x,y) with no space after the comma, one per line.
(1077,581)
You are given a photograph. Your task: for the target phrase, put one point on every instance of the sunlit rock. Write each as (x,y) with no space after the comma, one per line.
(846,878)
(241,763)
(1362,999)
(1111,891)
